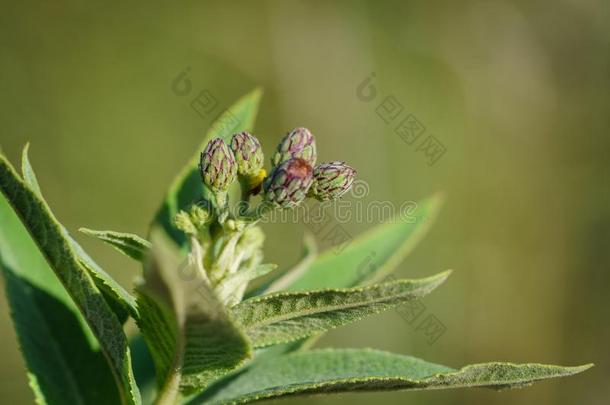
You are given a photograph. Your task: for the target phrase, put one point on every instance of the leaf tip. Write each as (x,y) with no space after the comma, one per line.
(257,92)
(25,160)
(86,231)
(440,278)
(566,371)
(580,369)
(437,200)
(309,241)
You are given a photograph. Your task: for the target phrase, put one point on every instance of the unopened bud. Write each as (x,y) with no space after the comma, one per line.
(217,165)
(184,223)
(331,180)
(248,154)
(200,216)
(298,143)
(288,183)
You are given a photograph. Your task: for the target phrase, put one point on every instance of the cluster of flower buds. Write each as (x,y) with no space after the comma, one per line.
(294,175)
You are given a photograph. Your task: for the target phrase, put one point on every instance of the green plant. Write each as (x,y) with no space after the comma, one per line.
(209,344)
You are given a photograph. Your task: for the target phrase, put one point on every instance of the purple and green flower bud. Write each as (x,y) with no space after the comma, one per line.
(248,154)
(217,166)
(331,180)
(298,143)
(287,184)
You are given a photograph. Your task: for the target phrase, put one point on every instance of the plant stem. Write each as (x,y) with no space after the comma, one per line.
(244,185)
(169,393)
(223,206)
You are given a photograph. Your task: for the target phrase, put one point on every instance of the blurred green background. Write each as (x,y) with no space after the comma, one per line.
(516,91)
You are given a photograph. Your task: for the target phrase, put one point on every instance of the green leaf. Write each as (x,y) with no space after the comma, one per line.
(285,317)
(143,368)
(373,255)
(192,339)
(129,244)
(63,359)
(229,291)
(120,301)
(160,331)
(188,187)
(243,276)
(330,371)
(57,248)
(29,177)
(368,258)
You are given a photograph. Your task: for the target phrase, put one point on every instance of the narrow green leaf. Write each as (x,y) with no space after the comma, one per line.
(143,368)
(330,371)
(282,280)
(229,291)
(285,317)
(28,172)
(188,187)
(119,300)
(371,256)
(192,339)
(368,258)
(63,359)
(127,243)
(247,275)
(56,246)
(160,331)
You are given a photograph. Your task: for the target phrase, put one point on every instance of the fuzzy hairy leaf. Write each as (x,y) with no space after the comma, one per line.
(188,187)
(192,339)
(229,290)
(45,318)
(345,370)
(29,177)
(244,276)
(143,368)
(120,301)
(285,317)
(371,256)
(57,247)
(368,258)
(127,243)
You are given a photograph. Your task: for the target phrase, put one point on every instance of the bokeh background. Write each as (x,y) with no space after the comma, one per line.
(516,92)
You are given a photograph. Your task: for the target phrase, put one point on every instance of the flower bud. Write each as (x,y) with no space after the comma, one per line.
(248,154)
(331,180)
(298,143)
(200,216)
(183,221)
(217,165)
(288,183)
